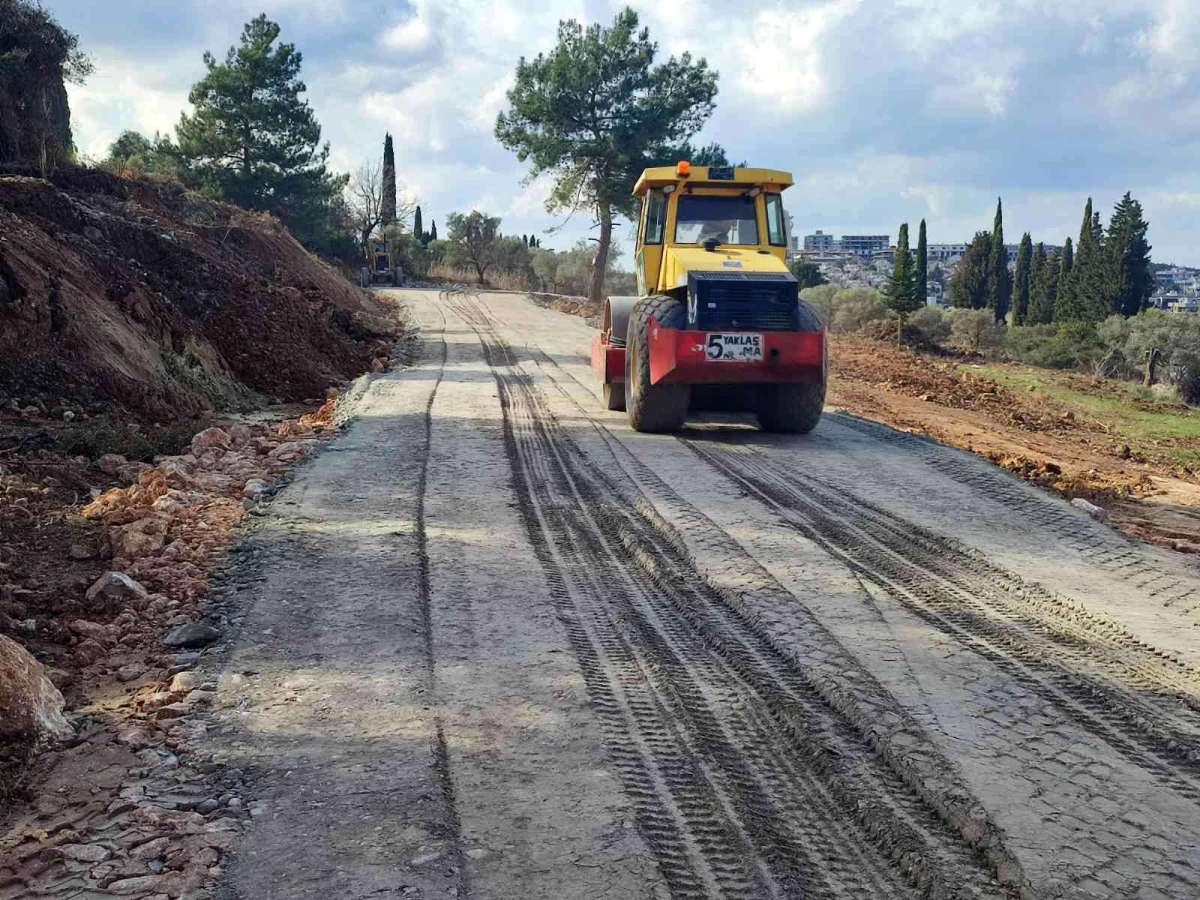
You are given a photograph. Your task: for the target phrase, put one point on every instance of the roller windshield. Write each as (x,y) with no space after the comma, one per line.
(727,220)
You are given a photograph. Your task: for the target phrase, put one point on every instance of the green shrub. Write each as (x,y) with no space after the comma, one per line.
(1167,332)
(821,299)
(927,327)
(975,330)
(1068,345)
(853,308)
(1184,373)
(94,438)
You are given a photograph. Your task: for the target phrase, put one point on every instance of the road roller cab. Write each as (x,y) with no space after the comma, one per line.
(718,319)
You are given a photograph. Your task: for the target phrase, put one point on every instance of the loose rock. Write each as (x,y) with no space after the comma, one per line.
(1090,508)
(116,589)
(31,707)
(191,635)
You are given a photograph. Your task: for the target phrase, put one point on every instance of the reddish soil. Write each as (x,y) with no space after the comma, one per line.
(140,296)
(132,315)
(134,776)
(1146,493)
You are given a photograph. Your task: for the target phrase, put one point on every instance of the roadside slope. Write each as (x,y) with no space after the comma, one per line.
(135,295)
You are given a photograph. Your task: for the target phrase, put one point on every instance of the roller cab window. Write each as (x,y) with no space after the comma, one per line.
(726,220)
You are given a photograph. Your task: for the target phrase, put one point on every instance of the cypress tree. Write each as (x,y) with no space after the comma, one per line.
(1038,284)
(1078,284)
(1129,258)
(1022,279)
(388,203)
(1044,293)
(433,231)
(999,280)
(418,231)
(969,286)
(1067,264)
(901,290)
(922,276)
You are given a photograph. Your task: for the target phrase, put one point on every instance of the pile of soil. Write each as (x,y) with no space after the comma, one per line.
(1144,490)
(140,296)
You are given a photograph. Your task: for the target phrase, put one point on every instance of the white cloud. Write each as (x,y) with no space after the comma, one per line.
(1171,40)
(408,36)
(887,110)
(783,54)
(121,95)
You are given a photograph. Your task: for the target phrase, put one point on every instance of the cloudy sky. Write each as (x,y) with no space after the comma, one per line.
(885,110)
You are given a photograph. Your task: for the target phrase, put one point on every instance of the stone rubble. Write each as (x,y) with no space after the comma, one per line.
(133,807)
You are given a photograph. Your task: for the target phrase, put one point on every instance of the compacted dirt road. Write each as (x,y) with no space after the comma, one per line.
(493,644)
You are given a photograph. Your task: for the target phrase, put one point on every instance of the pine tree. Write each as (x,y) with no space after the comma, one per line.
(969,286)
(1022,280)
(901,290)
(999,280)
(922,276)
(1129,258)
(254,141)
(388,205)
(418,231)
(590,111)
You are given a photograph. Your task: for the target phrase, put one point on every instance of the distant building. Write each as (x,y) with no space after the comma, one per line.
(946,253)
(820,242)
(1174,299)
(865,244)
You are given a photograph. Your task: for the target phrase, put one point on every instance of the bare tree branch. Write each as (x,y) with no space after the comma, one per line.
(364,197)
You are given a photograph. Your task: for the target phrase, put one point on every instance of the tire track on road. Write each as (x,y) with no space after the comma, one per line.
(441,752)
(1100,546)
(1078,667)
(747,783)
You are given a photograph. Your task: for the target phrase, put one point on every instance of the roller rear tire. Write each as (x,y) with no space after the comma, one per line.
(790,408)
(659,407)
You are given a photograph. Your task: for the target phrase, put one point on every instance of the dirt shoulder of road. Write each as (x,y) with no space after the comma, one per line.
(106,567)
(1124,451)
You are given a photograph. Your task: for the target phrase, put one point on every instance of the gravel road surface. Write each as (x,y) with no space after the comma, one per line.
(494,644)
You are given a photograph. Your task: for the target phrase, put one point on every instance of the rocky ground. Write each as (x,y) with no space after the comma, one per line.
(127,802)
(105,564)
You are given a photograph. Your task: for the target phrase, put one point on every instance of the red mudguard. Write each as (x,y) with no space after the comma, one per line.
(608,362)
(679,357)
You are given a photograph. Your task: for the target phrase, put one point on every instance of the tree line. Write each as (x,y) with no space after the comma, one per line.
(1106,272)
(475,249)
(593,112)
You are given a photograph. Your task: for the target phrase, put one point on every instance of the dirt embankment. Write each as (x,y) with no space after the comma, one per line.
(140,296)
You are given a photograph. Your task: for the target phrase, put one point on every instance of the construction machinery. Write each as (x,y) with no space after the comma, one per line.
(718,322)
(382,265)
